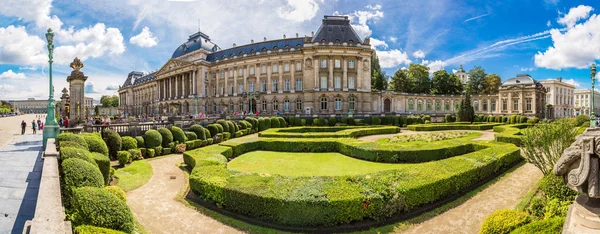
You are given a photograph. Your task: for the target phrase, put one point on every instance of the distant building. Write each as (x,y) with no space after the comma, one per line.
(583,100)
(560,96)
(462,75)
(89,105)
(30,106)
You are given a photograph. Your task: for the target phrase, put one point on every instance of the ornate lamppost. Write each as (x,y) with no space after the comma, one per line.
(592,114)
(250,96)
(51,128)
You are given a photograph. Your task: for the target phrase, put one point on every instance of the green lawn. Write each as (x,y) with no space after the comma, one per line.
(134,176)
(305,164)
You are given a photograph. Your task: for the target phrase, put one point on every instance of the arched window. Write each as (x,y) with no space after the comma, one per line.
(323,103)
(351,103)
(476,105)
(429,105)
(241,106)
(286,105)
(411,104)
(275,105)
(420,105)
(230,106)
(298,104)
(214,107)
(447,106)
(264,105)
(438,105)
(338,104)
(484,105)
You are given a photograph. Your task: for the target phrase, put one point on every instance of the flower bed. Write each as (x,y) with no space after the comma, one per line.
(427,137)
(329,132)
(331,200)
(453,126)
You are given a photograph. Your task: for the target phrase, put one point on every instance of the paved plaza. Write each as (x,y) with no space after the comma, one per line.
(20,171)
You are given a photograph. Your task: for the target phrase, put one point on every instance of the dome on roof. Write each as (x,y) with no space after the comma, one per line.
(522,79)
(195,42)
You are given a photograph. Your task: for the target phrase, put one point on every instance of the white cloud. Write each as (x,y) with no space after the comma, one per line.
(360,19)
(144,39)
(573,82)
(298,10)
(393,39)
(392,58)
(576,48)
(112,87)
(403,68)
(91,42)
(11,75)
(527,68)
(375,7)
(549,23)
(18,47)
(37,11)
(31,68)
(376,43)
(575,14)
(419,54)
(434,65)
(454,71)
(6,88)
(90,87)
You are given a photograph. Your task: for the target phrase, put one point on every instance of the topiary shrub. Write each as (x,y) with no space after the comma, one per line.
(261,124)
(375,120)
(282,122)
(199,130)
(79,173)
(136,154)
(207,134)
(351,121)
(140,142)
(267,122)
(252,121)
(321,122)
(99,207)
(95,143)
(178,134)
(298,122)
(547,226)
(191,136)
(556,208)
(129,143)
(213,130)
(144,152)
(226,136)
(331,121)
(166,151)
(152,138)
(103,163)
(123,157)
(232,127)
(581,120)
(117,191)
(504,221)
(274,122)
(150,153)
(72,144)
(554,187)
(533,120)
(113,141)
(167,136)
(223,124)
(67,136)
(87,229)
(73,152)
(159,149)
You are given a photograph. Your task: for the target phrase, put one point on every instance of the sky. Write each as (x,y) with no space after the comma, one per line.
(543,38)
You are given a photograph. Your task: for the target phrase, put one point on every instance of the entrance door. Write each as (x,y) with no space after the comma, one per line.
(252,105)
(387,105)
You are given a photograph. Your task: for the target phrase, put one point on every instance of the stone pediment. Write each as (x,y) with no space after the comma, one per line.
(171,65)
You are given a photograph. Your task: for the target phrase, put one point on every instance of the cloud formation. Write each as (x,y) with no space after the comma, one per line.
(392,58)
(376,43)
(298,11)
(11,75)
(575,14)
(419,54)
(144,39)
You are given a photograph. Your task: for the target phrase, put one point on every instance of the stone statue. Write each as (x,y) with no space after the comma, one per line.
(578,165)
(308,63)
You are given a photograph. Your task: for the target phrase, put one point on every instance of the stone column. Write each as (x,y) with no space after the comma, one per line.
(226,87)
(280,73)
(269,78)
(345,73)
(358,82)
(292,81)
(330,76)
(235,86)
(194,88)
(316,67)
(217,83)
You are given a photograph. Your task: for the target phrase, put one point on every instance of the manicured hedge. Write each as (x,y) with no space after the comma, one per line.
(152,138)
(73,144)
(129,143)
(274,122)
(140,142)
(510,133)
(167,136)
(117,191)
(331,200)
(282,122)
(453,126)
(95,143)
(103,163)
(199,130)
(123,157)
(328,132)
(546,226)
(214,130)
(178,134)
(101,208)
(504,221)
(224,124)
(67,136)
(113,141)
(191,135)
(87,229)
(74,152)
(78,173)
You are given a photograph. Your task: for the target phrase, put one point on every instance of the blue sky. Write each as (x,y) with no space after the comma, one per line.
(544,38)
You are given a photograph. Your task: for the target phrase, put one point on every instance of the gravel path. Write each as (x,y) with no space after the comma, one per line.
(468,217)
(155,206)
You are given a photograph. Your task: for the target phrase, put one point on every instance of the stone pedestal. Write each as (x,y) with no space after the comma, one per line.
(76,87)
(583,216)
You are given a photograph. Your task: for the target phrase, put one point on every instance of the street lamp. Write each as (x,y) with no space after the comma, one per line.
(51,129)
(250,96)
(592,114)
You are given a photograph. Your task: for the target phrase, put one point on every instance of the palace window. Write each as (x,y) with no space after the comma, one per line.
(447,106)
(351,82)
(528,104)
(264,69)
(429,107)
(214,108)
(274,86)
(323,63)
(240,88)
(338,104)
(263,105)
(286,85)
(493,108)
(438,105)
(351,63)
(286,67)
(263,87)
(240,106)
(230,88)
(275,105)
(351,103)
(214,91)
(411,105)
(240,72)
(338,63)
(251,86)
(222,75)
(338,82)
(476,105)
(504,105)
(231,106)
(230,73)
(298,84)
(515,105)
(323,103)
(484,106)
(298,66)
(286,105)
(298,104)
(275,68)
(419,105)
(323,82)
(251,70)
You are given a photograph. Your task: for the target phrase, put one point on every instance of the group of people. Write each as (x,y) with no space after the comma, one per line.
(39,125)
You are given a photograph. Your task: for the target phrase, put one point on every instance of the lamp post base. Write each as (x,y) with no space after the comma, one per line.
(593,123)
(50,131)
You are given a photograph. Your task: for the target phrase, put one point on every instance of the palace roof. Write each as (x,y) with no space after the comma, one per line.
(336,29)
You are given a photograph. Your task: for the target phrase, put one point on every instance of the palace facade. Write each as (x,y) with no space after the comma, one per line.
(327,73)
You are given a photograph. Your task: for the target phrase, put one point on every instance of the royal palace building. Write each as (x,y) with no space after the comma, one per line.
(327,73)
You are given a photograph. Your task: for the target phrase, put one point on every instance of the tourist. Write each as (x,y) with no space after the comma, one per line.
(39,124)
(23,126)
(66,122)
(60,122)
(33,126)
(42,126)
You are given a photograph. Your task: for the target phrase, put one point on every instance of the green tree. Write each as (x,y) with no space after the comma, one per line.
(378,77)
(419,75)
(97,110)
(491,84)
(476,80)
(109,101)
(400,82)
(444,83)
(465,111)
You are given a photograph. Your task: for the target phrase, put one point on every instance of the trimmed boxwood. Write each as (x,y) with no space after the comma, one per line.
(167,136)
(191,135)
(113,141)
(150,153)
(79,173)
(95,143)
(261,124)
(553,225)
(274,122)
(136,154)
(117,191)
(166,151)
(331,122)
(178,134)
(152,138)
(252,121)
(213,130)
(87,229)
(101,208)
(510,133)
(72,144)
(67,136)
(451,126)
(207,134)
(74,152)
(140,142)
(129,143)
(328,132)
(159,149)
(375,120)
(282,122)
(267,122)
(321,122)
(103,163)
(199,130)
(504,221)
(123,157)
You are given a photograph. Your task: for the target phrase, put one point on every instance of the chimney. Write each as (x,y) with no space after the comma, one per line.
(283,36)
(312,34)
(233,44)
(252,41)
(265,38)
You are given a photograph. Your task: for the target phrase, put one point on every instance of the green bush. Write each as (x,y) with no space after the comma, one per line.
(556,208)
(351,121)
(232,127)
(167,136)
(513,119)
(103,163)
(136,154)
(533,120)
(166,151)
(178,134)
(261,124)
(115,190)
(282,122)
(581,120)
(544,143)
(72,144)
(223,124)
(113,141)
(150,153)
(321,122)
(331,121)
(554,187)
(451,126)
(226,136)
(504,221)
(67,136)
(267,122)
(298,122)
(547,226)
(144,152)
(140,142)
(152,138)
(129,143)
(73,152)
(87,229)
(78,173)
(123,157)
(99,207)
(214,130)
(199,130)
(536,207)
(274,122)
(95,143)
(252,121)
(191,136)
(375,120)
(159,149)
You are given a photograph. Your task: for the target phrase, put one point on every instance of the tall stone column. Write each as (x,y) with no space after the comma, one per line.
(292,80)
(76,87)
(269,78)
(235,84)
(330,76)
(194,83)
(358,83)
(280,73)
(345,73)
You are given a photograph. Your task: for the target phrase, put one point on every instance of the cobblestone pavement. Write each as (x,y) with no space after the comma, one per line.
(20,173)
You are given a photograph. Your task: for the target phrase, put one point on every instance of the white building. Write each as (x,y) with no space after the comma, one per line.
(462,75)
(560,96)
(583,101)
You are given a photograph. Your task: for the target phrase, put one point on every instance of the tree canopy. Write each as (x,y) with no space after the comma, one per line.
(444,83)
(109,101)
(476,80)
(378,77)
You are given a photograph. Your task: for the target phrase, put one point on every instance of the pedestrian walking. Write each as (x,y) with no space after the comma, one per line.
(42,126)
(23,126)
(33,126)
(39,124)
(66,122)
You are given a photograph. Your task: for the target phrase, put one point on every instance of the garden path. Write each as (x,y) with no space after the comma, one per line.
(487,135)
(155,206)
(468,216)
